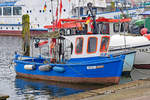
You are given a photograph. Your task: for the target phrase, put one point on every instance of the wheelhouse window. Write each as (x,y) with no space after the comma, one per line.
(103,28)
(92,45)
(7,11)
(79,45)
(124,27)
(116,27)
(104,44)
(17,11)
(0,11)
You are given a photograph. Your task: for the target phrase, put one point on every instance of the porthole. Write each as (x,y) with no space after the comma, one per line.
(6,27)
(30,11)
(18,28)
(40,11)
(50,11)
(27,11)
(64,10)
(12,27)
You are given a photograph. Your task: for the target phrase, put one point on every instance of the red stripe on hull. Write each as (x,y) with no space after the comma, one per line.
(10,33)
(142,66)
(19,33)
(109,80)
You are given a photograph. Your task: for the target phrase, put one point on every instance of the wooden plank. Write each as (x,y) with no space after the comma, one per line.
(3,97)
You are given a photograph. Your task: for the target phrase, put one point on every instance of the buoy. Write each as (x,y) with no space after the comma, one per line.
(45,68)
(143,31)
(29,67)
(147,36)
(59,69)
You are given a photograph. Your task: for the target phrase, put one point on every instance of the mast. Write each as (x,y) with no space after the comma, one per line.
(95,30)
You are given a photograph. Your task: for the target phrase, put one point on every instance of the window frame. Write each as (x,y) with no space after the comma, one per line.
(76,45)
(88,44)
(116,27)
(107,44)
(7,13)
(14,8)
(107,30)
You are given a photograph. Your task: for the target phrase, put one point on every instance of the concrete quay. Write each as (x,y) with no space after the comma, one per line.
(135,90)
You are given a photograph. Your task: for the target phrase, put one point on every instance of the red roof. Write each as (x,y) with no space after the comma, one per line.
(70,23)
(102,19)
(65,25)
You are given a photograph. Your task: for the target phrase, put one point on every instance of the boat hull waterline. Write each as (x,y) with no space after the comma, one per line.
(72,79)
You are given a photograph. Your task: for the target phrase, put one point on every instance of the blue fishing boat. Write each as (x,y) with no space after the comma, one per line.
(87,63)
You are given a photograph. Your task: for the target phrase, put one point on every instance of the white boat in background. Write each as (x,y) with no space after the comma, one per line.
(107,9)
(43,12)
(121,40)
(139,43)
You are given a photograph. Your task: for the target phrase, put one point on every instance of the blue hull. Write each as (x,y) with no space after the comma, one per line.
(89,70)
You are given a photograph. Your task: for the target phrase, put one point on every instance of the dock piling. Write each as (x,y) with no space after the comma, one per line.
(26,34)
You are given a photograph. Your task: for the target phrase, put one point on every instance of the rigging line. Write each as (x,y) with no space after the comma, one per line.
(52,11)
(125,37)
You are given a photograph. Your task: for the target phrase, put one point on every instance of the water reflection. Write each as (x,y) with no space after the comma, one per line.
(49,89)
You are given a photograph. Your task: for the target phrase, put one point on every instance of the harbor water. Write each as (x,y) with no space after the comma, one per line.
(24,89)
